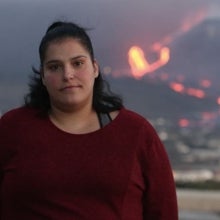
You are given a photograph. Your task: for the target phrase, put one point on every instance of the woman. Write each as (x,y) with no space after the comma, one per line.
(73,151)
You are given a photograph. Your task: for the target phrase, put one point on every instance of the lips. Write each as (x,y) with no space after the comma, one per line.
(70,87)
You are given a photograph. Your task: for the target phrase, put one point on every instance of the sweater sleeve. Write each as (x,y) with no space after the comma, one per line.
(159,200)
(3,138)
(1,155)
(6,152)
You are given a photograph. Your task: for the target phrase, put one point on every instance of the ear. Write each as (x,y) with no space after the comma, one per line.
(96,68)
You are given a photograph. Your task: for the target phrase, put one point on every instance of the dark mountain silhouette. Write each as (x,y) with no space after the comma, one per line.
(155,99)
(195,55)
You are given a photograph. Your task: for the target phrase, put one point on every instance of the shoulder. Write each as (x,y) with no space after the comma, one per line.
(134,119)
(131,123)
(23,110)
(132,114)
(17,115)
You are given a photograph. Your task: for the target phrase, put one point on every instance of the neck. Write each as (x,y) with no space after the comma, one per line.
(76,121)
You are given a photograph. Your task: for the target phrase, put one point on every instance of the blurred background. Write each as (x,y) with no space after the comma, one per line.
(161,56)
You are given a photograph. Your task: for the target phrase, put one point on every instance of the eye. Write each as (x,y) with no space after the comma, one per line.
(53,67)
(78,63)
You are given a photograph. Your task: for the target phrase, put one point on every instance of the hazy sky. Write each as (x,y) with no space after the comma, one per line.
(118,24)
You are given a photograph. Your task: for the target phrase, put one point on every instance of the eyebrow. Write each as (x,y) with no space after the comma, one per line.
(74,58)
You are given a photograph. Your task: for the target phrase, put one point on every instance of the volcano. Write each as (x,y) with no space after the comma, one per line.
(194,58)
(191,85)
(155,99)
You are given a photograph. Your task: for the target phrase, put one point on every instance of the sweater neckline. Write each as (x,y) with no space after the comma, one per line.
(100,130)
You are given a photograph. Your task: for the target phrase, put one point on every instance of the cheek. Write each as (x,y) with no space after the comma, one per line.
(50,81)
(88,80)
(88,76)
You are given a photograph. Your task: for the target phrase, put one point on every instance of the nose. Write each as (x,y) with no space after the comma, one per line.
(68,72)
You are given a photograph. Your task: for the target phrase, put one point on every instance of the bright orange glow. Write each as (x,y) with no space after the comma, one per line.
(136,58)
(177,87)
(180,88)
(164,55)
(196,92)
(205,83)
(183,122)
(218,100)
(139,64)
(137,61)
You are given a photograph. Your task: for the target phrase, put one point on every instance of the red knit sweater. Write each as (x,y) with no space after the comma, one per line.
(120,172)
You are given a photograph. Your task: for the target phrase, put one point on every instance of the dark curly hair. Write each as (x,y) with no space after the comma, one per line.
(103,98)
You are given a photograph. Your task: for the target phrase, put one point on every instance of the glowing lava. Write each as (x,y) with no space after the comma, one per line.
(218,100)
(177,87)
(183,122)
(139,64)
(198,93)
(180,88)
(137,61)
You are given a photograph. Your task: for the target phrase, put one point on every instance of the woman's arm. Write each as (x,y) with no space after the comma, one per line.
(159,199)
(1,171)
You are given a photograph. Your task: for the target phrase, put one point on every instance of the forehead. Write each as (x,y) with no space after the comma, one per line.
(65,42)
(65,47)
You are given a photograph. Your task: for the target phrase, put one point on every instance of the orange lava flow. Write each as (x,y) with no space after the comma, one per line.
(140,65)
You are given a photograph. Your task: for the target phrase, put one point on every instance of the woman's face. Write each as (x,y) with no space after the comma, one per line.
(68,74)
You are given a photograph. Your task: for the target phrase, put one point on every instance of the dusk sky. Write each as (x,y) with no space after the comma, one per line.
(117,25)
